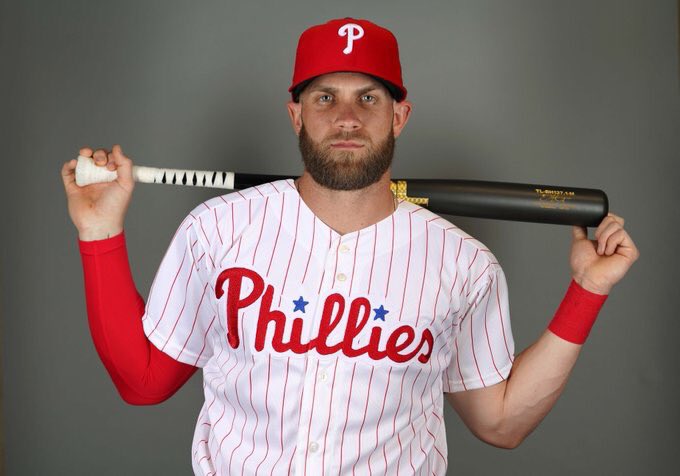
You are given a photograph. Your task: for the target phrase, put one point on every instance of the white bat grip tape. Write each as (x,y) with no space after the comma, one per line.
(87,173)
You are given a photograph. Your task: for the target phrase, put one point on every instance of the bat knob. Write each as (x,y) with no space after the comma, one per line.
(87,172)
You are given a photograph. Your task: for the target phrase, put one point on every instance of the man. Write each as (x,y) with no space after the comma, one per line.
(328,317)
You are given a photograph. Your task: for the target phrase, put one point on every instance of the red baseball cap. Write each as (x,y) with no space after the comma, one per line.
(351,45)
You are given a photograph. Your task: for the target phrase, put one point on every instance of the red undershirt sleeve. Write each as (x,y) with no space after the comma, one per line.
(142,374)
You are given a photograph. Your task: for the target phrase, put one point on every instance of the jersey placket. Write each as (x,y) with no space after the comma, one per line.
(317,440)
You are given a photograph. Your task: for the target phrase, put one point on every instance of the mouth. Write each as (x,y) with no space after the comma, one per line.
(346,145)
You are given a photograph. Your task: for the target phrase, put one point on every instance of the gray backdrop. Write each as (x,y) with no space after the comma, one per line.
(574,93)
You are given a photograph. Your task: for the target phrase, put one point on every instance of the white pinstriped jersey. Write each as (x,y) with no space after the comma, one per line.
(326,354)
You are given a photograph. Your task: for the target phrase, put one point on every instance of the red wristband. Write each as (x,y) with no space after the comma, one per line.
(576,314)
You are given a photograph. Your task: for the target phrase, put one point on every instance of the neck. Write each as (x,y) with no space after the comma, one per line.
(346,211)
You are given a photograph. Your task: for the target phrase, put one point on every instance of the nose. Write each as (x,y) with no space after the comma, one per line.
(347,118)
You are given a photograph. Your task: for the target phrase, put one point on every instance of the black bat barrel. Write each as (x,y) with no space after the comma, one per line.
(496,200)
(513,201)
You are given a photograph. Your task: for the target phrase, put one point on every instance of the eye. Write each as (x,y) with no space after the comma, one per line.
(368,98)
(325,98)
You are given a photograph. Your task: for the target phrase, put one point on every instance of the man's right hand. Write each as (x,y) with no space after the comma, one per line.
(98,210)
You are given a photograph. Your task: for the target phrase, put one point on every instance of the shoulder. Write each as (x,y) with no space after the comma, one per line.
(466,251)
(224,205)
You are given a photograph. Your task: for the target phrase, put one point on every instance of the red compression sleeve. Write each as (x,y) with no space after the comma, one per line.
(142,374)
(577,313)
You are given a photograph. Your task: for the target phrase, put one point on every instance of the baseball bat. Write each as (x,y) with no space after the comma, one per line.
(471,198)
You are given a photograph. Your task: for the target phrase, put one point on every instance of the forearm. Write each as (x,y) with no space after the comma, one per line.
(141,373)
(537,379)
(504,414)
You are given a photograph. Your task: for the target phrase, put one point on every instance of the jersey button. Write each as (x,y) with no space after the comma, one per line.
(313,446)
(323,375)
(341,277)
(344,249)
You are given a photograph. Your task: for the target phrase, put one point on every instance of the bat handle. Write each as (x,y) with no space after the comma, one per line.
(87,172)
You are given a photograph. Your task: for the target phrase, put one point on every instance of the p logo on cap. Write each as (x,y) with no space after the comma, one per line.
(353,32)
(351,45)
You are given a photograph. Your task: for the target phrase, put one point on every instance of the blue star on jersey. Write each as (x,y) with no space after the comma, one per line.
(380,313)
(300,304)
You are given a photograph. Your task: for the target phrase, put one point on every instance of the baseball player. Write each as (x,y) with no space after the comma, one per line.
(328,318)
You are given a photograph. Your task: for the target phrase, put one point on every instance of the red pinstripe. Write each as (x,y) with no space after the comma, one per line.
(199,260)
(422,284)
(439,288)
(311,248)
(460,246)
(264,217)
(389,374)
(472,346)
(193,324)
(462,288)
(453,284)
(218,375)
(205,336)
(217,227)
(219,321)
(422,409)
(238,251)
(410,412)
(389,269)
(375,238)
(462,380)
(394,420)
(439,358)
(302,397)
(283,407)
(200,223)
(257,418)
(500,312)
(488,341)
(258,190)
(335,270)
(480,275)
(473,259)
(224,406)
(184,303)
(311,414)
(408,265)
(344,428)
(328,422)
(181,265)
(323,275)
(292,250)
(232,224)
(361,429)
(354,263)
(278,232)
(238,400)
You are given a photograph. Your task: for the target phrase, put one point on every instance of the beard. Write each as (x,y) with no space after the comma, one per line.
(346,169)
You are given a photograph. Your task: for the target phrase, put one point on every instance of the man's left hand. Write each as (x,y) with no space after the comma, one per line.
(598,264)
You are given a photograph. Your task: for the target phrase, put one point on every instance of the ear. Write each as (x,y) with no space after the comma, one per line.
(402,111)
(295,113)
